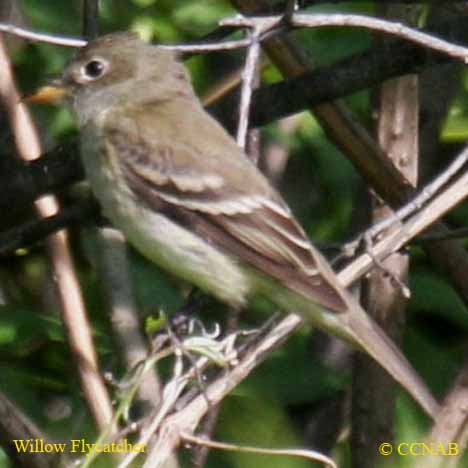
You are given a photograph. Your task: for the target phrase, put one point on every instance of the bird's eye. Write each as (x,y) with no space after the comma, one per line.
(94,69)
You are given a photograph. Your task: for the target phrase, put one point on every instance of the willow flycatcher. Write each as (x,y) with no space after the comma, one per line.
(187,197)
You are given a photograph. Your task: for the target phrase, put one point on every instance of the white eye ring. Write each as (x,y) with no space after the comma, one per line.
(94,69)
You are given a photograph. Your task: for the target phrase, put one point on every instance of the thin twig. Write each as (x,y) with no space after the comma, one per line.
(201,452)
(451,428)
(413,206)
(90,18)
(311,455)
(42,37)
(16,426)
(384,293)
(68,288)
(423,197)
(222,87)
(373,24)
(202,48)
(186,419)
(268,25)
(289,10)
(460,233)
(248,76)
(249,141)
(124,317)
(434,210)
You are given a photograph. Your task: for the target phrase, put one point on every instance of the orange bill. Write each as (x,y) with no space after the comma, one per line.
(46,95)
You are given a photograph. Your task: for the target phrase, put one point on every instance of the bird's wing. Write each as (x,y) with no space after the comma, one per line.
(233,208)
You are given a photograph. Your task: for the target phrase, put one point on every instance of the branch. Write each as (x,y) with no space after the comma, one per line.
(374,24)
(311,455)
(71,301)
(383,296)
(451,426)
(90,18)
(14,425)
(37,230)
(52,172)
(248,76)
(185,421)
(393,242)
(41,37)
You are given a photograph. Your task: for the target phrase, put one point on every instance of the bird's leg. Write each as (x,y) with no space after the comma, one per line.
(179,320)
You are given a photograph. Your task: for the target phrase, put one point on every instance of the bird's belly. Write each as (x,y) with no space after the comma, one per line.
(168,244)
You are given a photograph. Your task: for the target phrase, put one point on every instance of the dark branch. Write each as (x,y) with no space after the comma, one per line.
(37,230)
(54,171)
(90,18)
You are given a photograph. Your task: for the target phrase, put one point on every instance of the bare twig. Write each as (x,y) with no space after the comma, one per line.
(276,153)
(445,201)
(413,206)
(311,455)
(266,26)
(248,76)
(68,289)
(423,197)
(124,316)
(289,9)
(383,289)
(16,426)
(42,37)
(451,426)
(373,24)
(91,18)
(461,233)
(201,452)
(222,87)
(186,419)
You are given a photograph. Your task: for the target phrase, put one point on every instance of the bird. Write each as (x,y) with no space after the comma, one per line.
(187,197)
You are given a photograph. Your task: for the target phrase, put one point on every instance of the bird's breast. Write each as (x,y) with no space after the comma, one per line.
(170,245)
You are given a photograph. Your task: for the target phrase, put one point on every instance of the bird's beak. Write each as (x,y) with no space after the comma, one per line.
(53,92)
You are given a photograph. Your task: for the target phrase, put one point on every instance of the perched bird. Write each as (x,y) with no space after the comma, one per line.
(187,197)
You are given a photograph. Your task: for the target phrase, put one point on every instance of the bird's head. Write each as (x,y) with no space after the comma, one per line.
(112,69)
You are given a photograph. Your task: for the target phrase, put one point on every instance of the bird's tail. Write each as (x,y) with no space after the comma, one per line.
(371,338)
(355,326)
